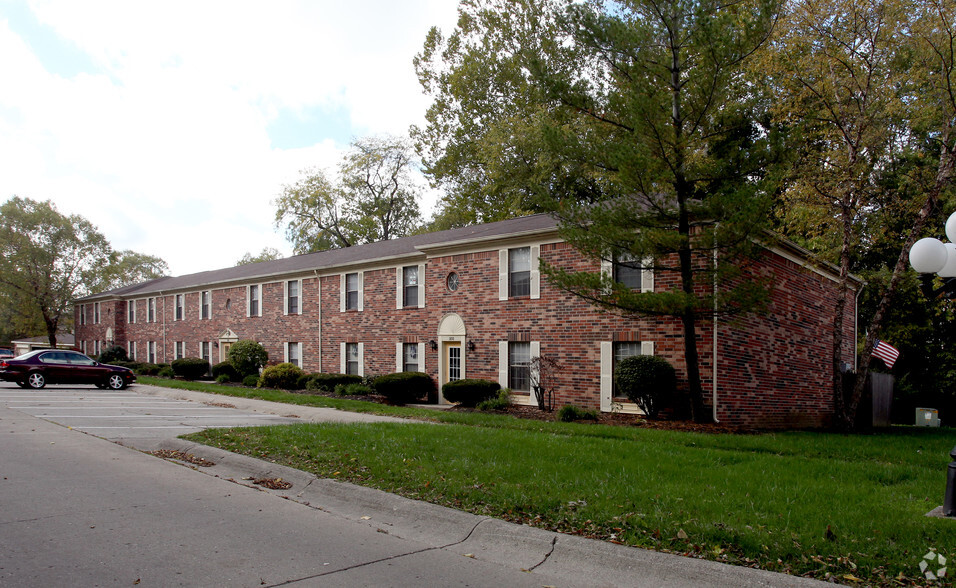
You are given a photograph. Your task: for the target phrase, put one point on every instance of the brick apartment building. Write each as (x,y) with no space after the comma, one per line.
(470,303)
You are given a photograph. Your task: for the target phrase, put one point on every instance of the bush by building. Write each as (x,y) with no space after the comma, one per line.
(284,376)
(648,381)
(225,368)
(190,368)
(470,392)
(404,387)
(327,382)
(247,357)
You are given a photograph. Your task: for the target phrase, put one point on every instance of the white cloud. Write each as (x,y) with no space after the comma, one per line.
(163,143)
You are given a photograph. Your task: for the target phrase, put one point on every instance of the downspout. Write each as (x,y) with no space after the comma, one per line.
(318,282)
(856,327)
(714,402)
(164,326)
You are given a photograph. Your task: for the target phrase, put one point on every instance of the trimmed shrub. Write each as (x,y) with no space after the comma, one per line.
(225,368)
(647,380)
(284,375)
(247,357)
(222,379)
(113,353)
(470,392)
(250,381)
(167,372)
(190,368)
(500,403)
(328,382)
(303,381)
(404,387)
(148,369)
(353,389)
(570,413)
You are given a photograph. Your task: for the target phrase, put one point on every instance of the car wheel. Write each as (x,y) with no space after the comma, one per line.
(36,380)
(116,382)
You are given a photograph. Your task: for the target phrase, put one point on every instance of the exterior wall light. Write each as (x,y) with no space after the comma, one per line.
(471,346)
(433,345)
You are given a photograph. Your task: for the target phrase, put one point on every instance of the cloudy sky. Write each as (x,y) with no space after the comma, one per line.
(173,125)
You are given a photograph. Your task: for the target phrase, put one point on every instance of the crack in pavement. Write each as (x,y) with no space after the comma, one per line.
(554,541)
(384,559)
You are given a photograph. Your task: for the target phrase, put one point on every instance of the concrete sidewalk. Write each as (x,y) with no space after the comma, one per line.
(582,562)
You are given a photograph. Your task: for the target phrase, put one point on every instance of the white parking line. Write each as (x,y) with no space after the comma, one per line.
(149,416)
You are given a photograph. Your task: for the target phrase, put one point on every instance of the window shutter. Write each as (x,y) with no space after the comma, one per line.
(248,300)
(285,297)
(285,351)
(503,359)
(421,286)
(301,299)
(647,275)
(502,274)
(361,294)
(535,272)
(421,357)
(342,296)
(647,348)
(361,351)
(399,286)
(607,271)
(606,375)
(399,359)
(302,355)
(341,358)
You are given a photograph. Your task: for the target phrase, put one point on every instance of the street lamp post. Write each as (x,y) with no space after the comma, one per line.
(931,258)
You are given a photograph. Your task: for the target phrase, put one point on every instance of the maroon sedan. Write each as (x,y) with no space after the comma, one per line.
(55,366)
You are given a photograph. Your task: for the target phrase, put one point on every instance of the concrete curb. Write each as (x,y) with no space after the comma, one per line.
(580,561)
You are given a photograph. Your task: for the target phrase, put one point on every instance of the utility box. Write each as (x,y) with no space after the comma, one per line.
(927,417)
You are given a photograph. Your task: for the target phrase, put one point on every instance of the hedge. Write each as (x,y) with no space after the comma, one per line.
(284,375)
(470,392)
(225,368)
(190,368)
(328,382)
(404,387)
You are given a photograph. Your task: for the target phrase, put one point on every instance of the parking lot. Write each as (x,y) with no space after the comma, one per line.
(123,415)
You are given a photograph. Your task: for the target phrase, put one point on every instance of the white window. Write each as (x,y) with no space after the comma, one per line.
(626,270)
(204,351)
(352,358)
(351,291)
(180,349)
(205,304)
(292,297)
(253,308)
(151,352)
(519,366)
(131,311)
(150,310)
(82,314)
(611,354)
(96,313)
(179,307)
(96,348)
(131,350)
(409,289)
(518,274)
(293,353)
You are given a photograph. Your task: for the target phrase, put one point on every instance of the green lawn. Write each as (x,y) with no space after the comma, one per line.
(816,504)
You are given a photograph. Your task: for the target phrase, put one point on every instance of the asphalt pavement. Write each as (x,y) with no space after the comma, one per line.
(173,522)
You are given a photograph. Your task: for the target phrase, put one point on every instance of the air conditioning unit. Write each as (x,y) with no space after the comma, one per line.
(927,417)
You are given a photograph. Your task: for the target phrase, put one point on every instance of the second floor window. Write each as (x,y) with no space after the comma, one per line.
(254,300)
(150,310)
(628,271)
(131,311)
(82,314)
(351,291)
(179,308)
(410,285)
(293,290)
(204,304)
(519,271)
(96,313)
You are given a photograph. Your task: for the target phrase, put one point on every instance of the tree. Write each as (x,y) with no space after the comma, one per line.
(247,357)
(48,259)
(267,254)
(867,87)
(642,139)
(375,198)
(480,143)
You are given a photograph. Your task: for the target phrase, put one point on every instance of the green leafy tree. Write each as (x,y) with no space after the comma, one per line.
(867,90)
(247,357)
(375,198)
(47,259)
(267,254)
(639,133)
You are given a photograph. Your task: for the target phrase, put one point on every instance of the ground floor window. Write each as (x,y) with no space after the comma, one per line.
(204,351)
(180,349)
(410,358)
(352,358)
(131,351)
(151,352)
(293,354)
(519,366)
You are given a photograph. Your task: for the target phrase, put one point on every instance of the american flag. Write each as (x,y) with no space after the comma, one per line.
(886,352)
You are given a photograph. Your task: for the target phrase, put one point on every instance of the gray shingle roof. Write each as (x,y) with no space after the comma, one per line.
(325,260)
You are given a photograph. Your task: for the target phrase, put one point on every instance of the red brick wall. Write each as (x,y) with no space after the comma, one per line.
(772,371)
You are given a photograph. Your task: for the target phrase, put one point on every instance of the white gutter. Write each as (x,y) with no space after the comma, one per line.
(318,281)
(714,402)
